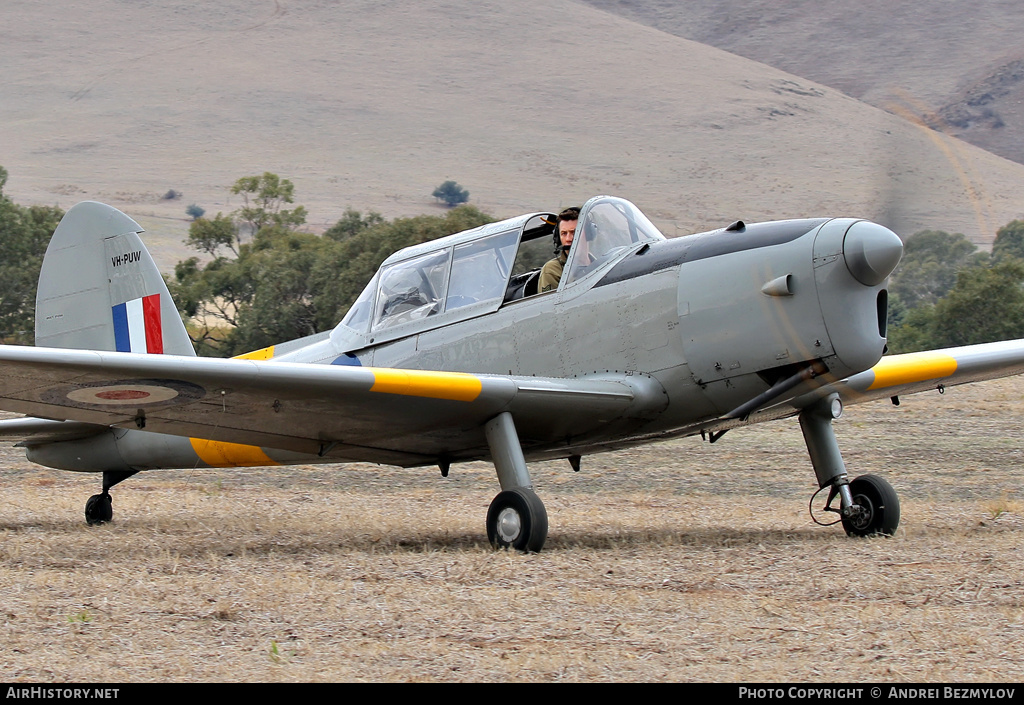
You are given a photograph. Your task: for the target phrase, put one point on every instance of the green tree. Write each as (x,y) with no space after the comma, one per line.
(263,200)
(1009,241)
(345,270)
(283,303)
(914,331)
(210,298)
(24,234)
(285,284)
(897,312)
(210,235)
(263,296)
(353,223)
(987,304)
(928,269)
(451,194)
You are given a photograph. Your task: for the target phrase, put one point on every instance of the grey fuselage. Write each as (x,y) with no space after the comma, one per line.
(698,325)
(691,313)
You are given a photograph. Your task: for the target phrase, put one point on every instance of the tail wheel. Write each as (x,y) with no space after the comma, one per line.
(517,519)
(880,507)
(98,509)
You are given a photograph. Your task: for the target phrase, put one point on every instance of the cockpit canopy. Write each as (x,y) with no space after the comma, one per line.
(607,226)
(478,271)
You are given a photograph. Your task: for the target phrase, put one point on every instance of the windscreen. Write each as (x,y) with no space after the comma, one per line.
(606,227)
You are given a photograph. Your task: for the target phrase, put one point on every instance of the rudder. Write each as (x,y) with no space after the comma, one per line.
(99,288)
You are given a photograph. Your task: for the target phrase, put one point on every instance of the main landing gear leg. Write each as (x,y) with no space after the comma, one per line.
(98,509)
(516,517)
(868,504)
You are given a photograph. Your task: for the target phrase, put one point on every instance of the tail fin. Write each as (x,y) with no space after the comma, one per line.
(99,289)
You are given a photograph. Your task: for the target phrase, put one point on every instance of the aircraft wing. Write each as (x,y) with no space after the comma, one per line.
(920,371)
(896,375)
(400,417)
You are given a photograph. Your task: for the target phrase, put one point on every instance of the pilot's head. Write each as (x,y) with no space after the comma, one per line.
(566,229)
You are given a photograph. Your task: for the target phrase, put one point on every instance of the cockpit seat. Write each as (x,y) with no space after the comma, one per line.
(522,285)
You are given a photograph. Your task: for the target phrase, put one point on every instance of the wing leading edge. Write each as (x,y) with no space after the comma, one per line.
(403,417)
(893,376)
(398,417)
(921,371)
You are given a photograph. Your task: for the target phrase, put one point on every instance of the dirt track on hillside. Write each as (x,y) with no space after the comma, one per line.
(682,561)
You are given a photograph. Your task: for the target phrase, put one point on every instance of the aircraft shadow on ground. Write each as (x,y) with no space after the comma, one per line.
(117,540)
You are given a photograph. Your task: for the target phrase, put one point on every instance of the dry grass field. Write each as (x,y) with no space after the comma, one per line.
(682,561)
(678,562)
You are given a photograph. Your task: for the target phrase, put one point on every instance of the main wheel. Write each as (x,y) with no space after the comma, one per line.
(98,509)
(517,519)
(881,506)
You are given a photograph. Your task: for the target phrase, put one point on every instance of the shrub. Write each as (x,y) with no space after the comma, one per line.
(451,194)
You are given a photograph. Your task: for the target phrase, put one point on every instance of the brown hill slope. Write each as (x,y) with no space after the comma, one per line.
(960,64)
(530,105)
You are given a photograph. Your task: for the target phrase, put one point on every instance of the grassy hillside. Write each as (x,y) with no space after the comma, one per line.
(958,65)
(530,105)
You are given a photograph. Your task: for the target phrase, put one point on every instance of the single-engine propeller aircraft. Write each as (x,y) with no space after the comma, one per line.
(451,354)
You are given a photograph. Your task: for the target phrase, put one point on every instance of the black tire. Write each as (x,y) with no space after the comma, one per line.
(881,505)
(517,519)
(98,509)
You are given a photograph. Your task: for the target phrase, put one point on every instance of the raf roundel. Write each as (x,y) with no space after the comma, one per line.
(132,393)
(120,394)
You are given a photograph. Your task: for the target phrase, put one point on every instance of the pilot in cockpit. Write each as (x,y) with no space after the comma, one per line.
(551,273)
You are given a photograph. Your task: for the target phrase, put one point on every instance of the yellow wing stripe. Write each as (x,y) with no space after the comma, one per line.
(912,367)
(261,354)
(218,454)
(436,385)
